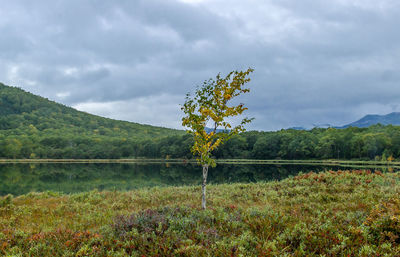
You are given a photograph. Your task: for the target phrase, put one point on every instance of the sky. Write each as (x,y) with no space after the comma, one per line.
(316,61)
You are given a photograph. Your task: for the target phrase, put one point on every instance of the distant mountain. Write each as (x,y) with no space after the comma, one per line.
(313,126)
(297,128)
(322,126)
(209,130)
(369,120)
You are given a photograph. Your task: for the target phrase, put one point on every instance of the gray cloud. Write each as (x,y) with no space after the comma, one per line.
(316,61)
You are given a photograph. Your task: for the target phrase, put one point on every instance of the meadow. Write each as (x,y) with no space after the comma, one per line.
(341,213)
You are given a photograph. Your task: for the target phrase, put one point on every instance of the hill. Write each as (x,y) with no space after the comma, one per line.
(369,120)
(34,127)
(23,110)
(365,122)
(27,119)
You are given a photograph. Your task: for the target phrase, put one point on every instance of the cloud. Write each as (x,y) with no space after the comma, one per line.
(158,110)
(315,61)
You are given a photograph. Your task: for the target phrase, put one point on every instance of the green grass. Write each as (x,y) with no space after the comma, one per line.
(345,213)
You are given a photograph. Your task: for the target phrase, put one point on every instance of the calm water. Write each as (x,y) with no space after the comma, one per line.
(20,179)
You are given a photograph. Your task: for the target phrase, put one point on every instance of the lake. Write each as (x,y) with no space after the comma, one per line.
(20,179)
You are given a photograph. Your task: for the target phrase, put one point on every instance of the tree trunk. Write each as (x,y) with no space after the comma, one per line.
(203,186)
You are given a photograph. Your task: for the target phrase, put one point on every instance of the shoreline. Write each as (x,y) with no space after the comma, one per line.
(220,161)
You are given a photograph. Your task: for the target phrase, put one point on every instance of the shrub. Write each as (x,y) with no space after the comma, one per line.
(384,222)
(6,200)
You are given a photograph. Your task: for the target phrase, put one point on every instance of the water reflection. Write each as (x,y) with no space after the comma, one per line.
(20,179)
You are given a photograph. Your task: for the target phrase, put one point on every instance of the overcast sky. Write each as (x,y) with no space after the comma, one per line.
(315,61)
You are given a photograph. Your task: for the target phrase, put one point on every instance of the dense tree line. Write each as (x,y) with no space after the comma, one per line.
(376,142)
(34,127)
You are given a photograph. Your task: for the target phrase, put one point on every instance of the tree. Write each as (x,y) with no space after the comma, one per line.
(209,107)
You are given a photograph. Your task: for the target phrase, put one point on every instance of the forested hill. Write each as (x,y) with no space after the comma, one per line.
(32,126)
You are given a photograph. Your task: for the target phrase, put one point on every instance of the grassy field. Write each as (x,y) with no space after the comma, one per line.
(345,213)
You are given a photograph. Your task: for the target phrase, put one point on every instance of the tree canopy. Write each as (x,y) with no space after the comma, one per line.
(210,107)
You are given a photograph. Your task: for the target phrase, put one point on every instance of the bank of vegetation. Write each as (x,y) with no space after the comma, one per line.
(33,127)
(345,213)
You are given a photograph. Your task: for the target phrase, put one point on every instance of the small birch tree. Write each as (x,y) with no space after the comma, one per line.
(208,107)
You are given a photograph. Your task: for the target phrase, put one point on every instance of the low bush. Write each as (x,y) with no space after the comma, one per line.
(345,213)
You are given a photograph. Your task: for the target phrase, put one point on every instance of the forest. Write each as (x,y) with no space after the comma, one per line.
(34,127)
